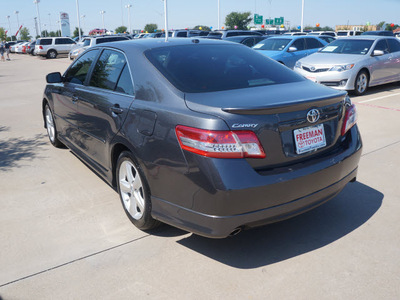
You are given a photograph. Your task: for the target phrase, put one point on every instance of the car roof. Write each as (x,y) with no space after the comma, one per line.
(367,37)
(294,37)
(144,44)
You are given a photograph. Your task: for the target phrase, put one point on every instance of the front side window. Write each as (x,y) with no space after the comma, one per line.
(382,46)
(107,70)
(313,43)
(78,71)
(394,45)
(299,44)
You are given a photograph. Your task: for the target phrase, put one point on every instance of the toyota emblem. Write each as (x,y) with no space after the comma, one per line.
(313,116)
(312,69)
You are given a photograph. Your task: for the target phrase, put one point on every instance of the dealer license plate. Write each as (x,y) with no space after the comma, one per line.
(309,138)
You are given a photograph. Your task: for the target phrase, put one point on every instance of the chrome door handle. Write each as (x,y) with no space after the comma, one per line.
(75,98)
(116,110)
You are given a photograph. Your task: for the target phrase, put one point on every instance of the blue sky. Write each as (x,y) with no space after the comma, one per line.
(188,13)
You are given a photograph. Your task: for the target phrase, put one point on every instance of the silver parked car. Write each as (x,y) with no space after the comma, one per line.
(354,63)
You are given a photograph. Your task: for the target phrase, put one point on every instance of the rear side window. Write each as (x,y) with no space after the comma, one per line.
(208,68)
(394,45)
(45,42)
(107,70)
(78,71)
(124,84)
(313,43)
(102,40)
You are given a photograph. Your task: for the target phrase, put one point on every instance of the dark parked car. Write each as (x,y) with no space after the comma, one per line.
(223,34)
(208,136)
(248,40)
(379,32)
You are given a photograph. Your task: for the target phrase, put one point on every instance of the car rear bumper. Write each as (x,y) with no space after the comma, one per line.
(262,198)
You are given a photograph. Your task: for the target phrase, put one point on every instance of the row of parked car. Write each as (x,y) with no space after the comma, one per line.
(364,60)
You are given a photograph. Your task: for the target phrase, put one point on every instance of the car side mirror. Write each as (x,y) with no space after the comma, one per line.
(378,53)
(54,77)
(292,49)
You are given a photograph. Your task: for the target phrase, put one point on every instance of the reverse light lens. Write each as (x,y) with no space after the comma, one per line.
(341,68)
(350,118)
(219,144)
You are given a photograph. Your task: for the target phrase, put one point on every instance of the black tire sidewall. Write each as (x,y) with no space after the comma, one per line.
(146,222)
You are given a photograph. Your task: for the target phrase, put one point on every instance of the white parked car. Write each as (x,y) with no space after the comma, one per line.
(354,63)
(52,46)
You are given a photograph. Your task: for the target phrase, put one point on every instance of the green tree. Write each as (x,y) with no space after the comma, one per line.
(205,28)
(24,34)
(2,34)
(390,28)
(241,20)
(150,28)
(76,32)
(45,33)
(121,29)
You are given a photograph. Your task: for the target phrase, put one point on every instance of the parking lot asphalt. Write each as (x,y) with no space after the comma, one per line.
(64,235)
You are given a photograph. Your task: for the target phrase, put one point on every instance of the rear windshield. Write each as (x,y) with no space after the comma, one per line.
(208,68)
(346,46)
(272,44)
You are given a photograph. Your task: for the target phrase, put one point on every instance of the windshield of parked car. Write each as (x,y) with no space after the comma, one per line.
(346,46)
(272,44)
(209,68)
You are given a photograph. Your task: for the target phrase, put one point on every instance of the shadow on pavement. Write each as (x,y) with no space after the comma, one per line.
(14,151)
(280,241)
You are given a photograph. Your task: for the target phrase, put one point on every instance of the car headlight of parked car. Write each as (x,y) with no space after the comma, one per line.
(341,68)
(77,51)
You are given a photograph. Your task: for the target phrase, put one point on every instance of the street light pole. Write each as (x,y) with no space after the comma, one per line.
(218,15)
(9,26)
(49,22)
(128,6)
(17,12)
(83,22)
(79,20)
(102,12)
(302,15)
(38,14)
(166,20)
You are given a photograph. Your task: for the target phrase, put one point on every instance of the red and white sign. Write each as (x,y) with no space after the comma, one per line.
(309,138)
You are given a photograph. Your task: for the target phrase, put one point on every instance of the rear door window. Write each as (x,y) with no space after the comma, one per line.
(108,69)
(80,68)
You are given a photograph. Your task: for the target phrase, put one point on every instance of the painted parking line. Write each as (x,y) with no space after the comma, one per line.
(379,98)
(378,106)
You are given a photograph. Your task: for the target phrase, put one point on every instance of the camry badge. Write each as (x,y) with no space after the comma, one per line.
(313,116)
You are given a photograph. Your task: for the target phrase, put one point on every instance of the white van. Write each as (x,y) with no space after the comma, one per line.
(342,33)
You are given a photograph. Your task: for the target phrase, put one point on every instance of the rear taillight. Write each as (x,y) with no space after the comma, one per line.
(40,47)
(350,118)
(220,144)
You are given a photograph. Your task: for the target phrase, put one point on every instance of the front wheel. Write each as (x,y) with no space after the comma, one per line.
(134,192)
(361,83)
(51,127)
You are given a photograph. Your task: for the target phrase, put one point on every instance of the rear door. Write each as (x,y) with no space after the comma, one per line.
(103,104)
(394,47)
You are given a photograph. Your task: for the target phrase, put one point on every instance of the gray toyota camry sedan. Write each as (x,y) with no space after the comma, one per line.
(208,136)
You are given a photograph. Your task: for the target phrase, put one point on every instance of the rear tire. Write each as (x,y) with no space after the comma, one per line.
(134,192)
(52,54)
(361,83)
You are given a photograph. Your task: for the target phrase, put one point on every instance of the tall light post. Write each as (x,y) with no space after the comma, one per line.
(9,26)
(79,20)
(38,15)
(218,15)
(102,12)
(128,6)
(166,20)
(83,22)
(49,22)
(17,12)
(302,15)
